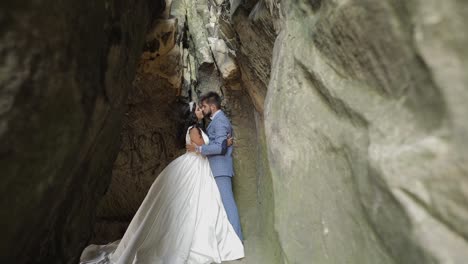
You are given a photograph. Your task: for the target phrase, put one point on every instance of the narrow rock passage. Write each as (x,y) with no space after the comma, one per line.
(349,118)
(186,56)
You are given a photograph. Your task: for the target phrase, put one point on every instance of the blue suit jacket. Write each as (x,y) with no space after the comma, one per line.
(219,155)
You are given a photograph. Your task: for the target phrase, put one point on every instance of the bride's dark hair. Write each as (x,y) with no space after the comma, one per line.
(187,118)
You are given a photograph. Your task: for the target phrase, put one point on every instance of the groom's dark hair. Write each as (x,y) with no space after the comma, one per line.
(211,98)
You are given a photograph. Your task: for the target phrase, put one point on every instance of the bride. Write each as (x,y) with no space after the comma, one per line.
(181,219)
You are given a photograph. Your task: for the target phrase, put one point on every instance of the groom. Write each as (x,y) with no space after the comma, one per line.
(219,155)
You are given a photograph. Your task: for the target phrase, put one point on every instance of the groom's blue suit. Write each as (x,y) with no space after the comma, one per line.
(220,158)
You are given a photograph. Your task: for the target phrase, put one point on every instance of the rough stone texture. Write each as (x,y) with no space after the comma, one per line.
(148,145)
(350,142)
(147,127)
(65,69)
(148,137)
(255,51)
(225,62)
(366,131)
(252,182)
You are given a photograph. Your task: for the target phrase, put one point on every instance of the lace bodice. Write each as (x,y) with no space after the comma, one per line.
(187,137)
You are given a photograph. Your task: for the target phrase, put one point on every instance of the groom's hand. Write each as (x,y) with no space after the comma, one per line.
(230,140)
(191,148)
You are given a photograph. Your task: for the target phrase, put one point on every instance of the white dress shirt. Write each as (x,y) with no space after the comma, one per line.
(213,116)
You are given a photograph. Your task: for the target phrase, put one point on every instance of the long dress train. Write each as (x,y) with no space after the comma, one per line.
(181,220)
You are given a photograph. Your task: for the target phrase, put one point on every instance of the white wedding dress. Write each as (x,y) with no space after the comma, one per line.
(181,220)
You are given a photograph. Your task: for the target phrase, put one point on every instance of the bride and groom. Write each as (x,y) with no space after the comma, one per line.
(189,214)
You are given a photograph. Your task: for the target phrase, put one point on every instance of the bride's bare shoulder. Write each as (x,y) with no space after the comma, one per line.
(196,136)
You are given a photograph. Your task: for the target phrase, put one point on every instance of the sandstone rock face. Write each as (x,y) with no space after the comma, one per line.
(255,50)
(366,131)
(202,58)
(252,181)
(65,69)
(349,119)
(224,60)
(148,137)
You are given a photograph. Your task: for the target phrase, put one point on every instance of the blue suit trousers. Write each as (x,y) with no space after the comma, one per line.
(225,188)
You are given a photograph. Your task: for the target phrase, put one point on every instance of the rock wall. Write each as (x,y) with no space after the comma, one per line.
(200,56)
(214,48)
(177,63)
(65,69)
(366,133)
(148,137)
(349,119)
